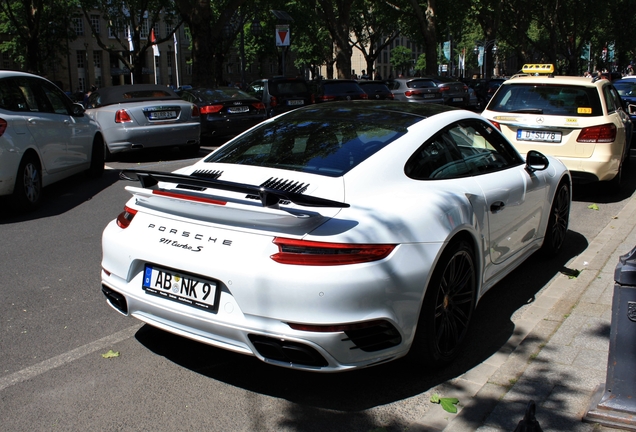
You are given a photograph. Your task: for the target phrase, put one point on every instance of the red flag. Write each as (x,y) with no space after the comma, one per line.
(153,41)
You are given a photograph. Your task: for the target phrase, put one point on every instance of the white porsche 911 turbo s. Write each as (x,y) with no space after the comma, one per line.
(336,236)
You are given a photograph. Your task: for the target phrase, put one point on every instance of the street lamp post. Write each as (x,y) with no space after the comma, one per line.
(485,45)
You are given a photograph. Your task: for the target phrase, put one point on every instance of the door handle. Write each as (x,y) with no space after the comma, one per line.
(497,206)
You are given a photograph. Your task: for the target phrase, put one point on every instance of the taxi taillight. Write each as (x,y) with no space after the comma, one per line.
(125,218)
(496,124)
(122,116)
(598,134)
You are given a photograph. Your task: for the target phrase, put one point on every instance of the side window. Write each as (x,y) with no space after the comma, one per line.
(11,98)
(32,102)
(56,99)
(610,98)
(256,90)
(463,149)
(188,97)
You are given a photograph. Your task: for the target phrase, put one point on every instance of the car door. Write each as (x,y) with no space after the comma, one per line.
(77,128)
(508,199)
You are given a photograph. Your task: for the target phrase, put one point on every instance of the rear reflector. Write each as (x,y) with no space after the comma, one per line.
(333,328)
(125,218)
(303,252)
(598,134)
(187,197)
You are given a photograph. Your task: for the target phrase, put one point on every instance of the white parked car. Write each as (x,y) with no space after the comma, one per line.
(44,138)
(336,236)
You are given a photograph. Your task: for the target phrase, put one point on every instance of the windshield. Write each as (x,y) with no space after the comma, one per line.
(327,142)
(550,99)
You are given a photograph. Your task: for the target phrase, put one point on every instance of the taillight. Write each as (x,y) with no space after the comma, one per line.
(390,96)
(187,197)
(122,116)
(272,101)
(326,98)
(410,93)
(598,134)
(3,126)
(211,109)
(125,218)
(311,253)
(259,105)
(496,124)
(443,88)
(364,96)
(195,111)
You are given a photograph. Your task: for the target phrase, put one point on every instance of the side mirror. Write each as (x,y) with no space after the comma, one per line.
(77,110)
(536,161)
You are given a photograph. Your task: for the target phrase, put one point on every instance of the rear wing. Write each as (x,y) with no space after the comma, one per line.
(269,197)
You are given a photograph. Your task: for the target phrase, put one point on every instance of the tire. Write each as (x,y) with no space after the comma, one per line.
(558,221)
(448,306)
(98,158)
(27,193)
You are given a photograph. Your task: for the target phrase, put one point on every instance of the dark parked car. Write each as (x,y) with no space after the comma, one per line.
(627,91)
(281,94)
(454,92)
(486,88)
(377,90)
(420,90)
(225,111)
(336,90)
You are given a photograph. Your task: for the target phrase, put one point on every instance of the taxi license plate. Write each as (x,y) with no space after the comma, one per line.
(179,287)
(295,102)
(162,115)
(538,135)
(240,109)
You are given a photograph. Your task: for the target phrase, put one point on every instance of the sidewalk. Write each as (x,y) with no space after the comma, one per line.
(558,354)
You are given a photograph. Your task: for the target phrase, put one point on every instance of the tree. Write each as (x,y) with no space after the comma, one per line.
(39,31)
(130,23)
(401,59)
(336,16)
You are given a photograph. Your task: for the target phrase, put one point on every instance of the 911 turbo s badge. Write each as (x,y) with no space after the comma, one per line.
(175,237)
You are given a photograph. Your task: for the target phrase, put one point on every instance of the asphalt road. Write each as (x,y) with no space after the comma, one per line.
(55,326)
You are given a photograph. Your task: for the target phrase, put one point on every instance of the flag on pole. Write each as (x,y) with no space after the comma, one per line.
(174,35)
(153,41)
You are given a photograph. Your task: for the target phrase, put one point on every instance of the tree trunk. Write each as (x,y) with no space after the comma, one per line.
(426,23)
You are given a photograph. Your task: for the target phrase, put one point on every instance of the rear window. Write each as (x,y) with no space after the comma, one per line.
(421,84)
(548,99)
(289,88)
(329,143)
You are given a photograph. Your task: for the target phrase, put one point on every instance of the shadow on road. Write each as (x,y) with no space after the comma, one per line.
(367,388)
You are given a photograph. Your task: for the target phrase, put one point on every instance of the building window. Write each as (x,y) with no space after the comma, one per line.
(97,59)
(144,29)
(157,33)
(81,57)
(82,84)
(78,26)
(95,23)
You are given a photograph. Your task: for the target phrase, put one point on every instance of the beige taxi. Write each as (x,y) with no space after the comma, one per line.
(582,121)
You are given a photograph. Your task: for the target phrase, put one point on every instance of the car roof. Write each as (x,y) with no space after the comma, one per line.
(557,79)
(135,93)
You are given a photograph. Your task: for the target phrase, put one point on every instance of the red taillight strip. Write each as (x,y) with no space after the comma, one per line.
(125,218)
(3,126)
(211,109)
(598,134)
(334,327)
(311,253)
(187,197)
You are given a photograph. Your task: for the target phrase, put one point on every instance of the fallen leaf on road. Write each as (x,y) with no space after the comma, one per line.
(111,354)
(593,207)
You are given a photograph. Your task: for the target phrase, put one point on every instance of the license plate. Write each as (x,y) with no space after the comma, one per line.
(240,109)
(296,102)
(458,99)
(162,115)
(179,287)
(538,135)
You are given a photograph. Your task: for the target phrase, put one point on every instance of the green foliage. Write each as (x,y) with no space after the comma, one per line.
(401,59)
(448,404)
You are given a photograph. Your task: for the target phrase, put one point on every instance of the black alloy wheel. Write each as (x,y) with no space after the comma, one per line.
(557,222)
(448,306)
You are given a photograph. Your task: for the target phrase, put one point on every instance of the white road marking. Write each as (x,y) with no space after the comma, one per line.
(67,357)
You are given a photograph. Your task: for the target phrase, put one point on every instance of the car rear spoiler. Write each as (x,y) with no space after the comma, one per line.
(269,197)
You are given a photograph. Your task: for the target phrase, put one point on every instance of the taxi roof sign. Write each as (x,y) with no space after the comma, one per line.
(536,69)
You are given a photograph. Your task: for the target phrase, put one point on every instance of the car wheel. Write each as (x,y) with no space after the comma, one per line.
(448,306)
(98,157)
(28,185)
(558,220)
